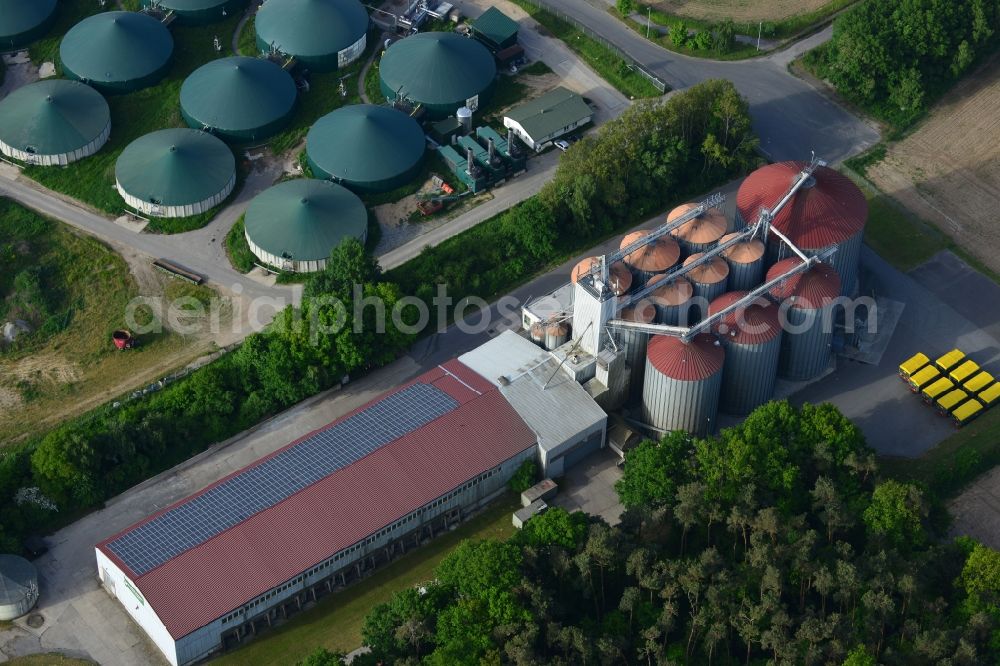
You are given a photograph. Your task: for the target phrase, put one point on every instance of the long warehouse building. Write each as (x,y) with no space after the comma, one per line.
(317,514)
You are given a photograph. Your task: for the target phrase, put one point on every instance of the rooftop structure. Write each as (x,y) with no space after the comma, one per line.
(495,29)
(24,21)
(323,35)
(546,118)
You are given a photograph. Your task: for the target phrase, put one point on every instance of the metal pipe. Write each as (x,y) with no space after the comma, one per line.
(491,148)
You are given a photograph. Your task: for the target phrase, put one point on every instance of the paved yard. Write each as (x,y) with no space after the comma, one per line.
(976,512)
(590,487)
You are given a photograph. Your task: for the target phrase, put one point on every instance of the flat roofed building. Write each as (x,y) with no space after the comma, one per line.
(567,421)
(310,516)
(542,120)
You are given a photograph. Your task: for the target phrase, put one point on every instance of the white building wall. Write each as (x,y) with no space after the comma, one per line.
(540,143)
(352,52)
(553,457)
(57,160)
(159,210)
(118,585)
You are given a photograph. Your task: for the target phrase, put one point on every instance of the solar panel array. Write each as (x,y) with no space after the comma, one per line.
(262,486)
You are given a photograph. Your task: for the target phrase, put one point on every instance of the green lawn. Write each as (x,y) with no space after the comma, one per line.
(247,42)
(68,14)
(238,250)
(335,622)
(608,64)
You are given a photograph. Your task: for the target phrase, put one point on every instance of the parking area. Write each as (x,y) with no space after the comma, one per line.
(589,486)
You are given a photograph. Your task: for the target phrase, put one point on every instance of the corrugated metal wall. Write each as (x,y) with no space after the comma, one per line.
(670,404)
(745,276)
(703,295)
(804,355)
(634,345)
(748,375)
(845,260)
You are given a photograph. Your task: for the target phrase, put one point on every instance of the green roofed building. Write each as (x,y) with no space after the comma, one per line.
(199,12)
(323,35)
(117,52)
(542,120)
(368,148)
(294,225)
(239,99)
(440,71)
(53,122)
(495,29)
(24,21)
(175,173)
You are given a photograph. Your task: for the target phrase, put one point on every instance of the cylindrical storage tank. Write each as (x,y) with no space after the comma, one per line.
(709,280)
(672,299)
(322,35)
(830,211)
(556,335)
(199,12)
(537,332)
(701,233)
(746,263)
(18,587)
(682,383)
(652,258)
(634,343)
(619,276)
(752,338)
(440,71)
(175,173)
(464,116)
(239,99)
(117,52)
(807,301)
(53,122)
(24,21)
(366,148)
(295,225)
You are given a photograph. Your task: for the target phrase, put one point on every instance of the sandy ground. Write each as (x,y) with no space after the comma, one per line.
(739,10)
(976,512)
(948,170)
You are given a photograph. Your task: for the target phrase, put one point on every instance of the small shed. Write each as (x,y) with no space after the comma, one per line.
(524,514)
(495,30)
(545,489)
(542,120)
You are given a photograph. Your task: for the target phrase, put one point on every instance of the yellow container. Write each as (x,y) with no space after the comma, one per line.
(924,377)
(950,360)
(950,400)
(912,364)
(990,396)
(938,388)
(967,411)
(977,383)
(964,371)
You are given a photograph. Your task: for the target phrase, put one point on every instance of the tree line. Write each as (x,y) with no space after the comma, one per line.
(653,154)
(895,57)
(775,542)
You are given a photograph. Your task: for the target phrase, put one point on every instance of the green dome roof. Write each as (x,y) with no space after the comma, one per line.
(199,11)
(53,117)
(175,167)
(117,51)
(311,30)
(365,145)
(22,21)
(238,98)
(305,219)
(437,69)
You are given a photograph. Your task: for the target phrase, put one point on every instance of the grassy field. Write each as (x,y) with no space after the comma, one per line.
(133,115)
(739,51)
(335,622)
(69,13)
(78,297)
(780,18)
(608,64)
(237,248)
(246,44)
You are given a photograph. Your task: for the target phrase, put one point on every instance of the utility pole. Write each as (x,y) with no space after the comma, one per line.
(760,29)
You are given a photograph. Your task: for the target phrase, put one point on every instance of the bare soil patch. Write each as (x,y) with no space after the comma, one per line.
(739,10)
(948,170)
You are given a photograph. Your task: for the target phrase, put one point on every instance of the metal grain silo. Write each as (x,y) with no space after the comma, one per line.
(746,263)
(556,334)
(619,274)
(633,343)
(830,211)
(652,258)
(682,384)
(751,336)
(18,587)
(672,299)
(701,233)
(807,301)
(537,332)
(709,280)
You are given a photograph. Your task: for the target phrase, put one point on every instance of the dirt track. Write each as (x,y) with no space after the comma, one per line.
(948,170)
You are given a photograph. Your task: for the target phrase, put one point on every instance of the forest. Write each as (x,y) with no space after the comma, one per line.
(775,542)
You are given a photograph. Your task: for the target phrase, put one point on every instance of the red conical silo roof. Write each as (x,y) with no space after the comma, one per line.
(826,211)
(713,271)
(708,227)
(654,257)
(643,312)
(619,274)
(748,325)
(810,290)
(686,361)
(672,292)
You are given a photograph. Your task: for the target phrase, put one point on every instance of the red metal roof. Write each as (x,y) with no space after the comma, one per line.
(811,290)
(686,361)
(654,257)
(277,544)
(830,211)
(706,228)
(749,325)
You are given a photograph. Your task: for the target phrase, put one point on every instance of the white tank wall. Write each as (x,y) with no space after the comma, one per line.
(159,210)
(57,160)
(352,52)
(671,404)
(279,263)
(15,610)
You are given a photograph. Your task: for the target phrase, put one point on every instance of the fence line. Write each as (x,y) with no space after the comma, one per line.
(657,82)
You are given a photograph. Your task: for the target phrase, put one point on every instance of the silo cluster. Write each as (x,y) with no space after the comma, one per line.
(807,301)
(700,233)
(671,298)
(746,263)
(683,382)
(650,259)
(709,278)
